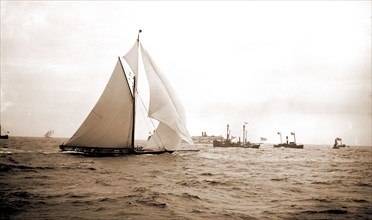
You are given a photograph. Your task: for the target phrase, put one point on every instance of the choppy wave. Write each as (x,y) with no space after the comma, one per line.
(39,182)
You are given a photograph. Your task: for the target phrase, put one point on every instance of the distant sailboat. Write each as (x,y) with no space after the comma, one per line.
(49,134)
(3,133)
(110,127)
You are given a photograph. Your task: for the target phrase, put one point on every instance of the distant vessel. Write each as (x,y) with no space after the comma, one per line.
(49,134)
(3,133)
(288,144)
(338,145)
(228,141)
(205,139)
(110,126)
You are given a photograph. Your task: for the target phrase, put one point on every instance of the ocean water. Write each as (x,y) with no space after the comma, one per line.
(39,182)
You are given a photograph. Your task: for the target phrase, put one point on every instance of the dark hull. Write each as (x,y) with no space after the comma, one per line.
(298,146)
(154,152)
(4,137)
(229,144)
(99,151)
(339,146)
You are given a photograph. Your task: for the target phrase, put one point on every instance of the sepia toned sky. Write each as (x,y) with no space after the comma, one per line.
(278,65)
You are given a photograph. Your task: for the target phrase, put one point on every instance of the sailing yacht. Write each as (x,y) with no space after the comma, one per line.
(3,133)
(49,134)
(110,127)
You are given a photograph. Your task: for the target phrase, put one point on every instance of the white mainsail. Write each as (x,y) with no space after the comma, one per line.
(109,124)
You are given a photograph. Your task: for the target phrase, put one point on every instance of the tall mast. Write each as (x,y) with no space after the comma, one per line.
(134,92)
(227,132)
(134,110)
(243,134)
(139,31)
(122,67)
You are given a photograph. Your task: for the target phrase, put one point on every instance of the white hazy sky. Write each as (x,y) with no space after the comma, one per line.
(280,65)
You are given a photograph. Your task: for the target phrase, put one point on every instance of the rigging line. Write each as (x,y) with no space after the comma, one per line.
(143,114)
(143,104)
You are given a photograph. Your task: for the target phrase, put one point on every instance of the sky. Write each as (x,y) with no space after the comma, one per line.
(288,66)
